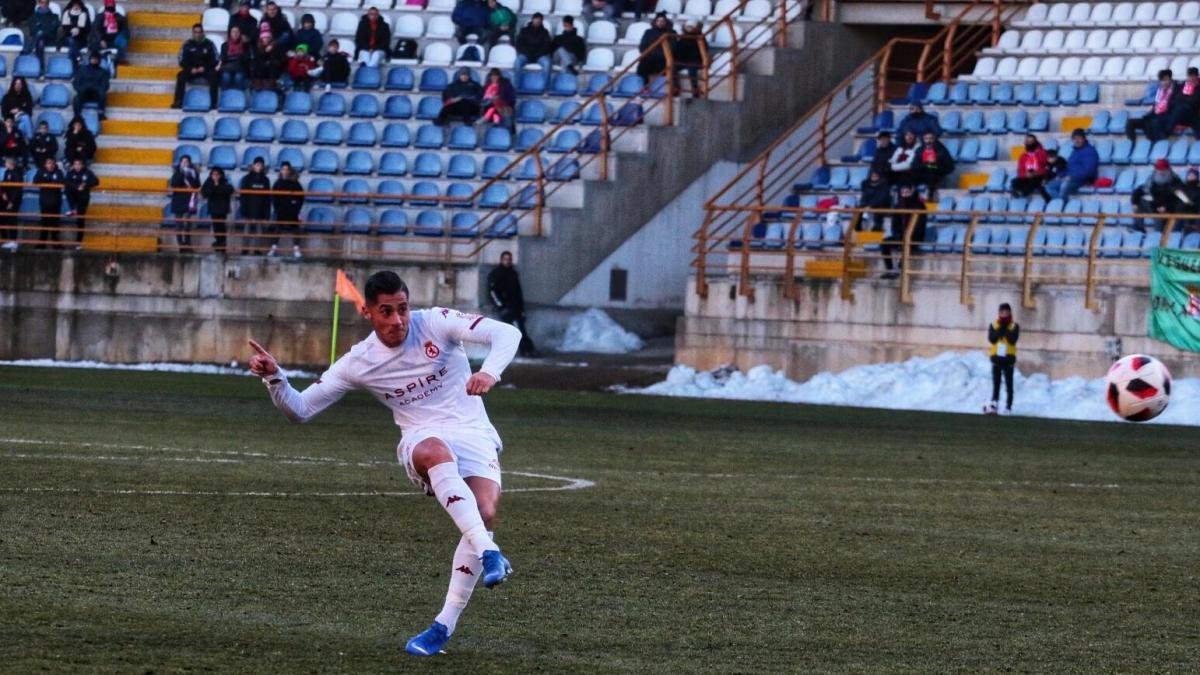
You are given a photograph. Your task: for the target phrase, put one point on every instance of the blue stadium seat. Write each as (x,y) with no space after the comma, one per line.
(323,161)
(1068,94)
(1122,151)
(59,67)
(1018,121)
(319,220)
(1089,92)
(461,191)
(231,101)
(494,166)
(981,240)
(253,151)
(566,168)
(421,191)
(997,182)
(27,66)
(265,102)
(397,107)
(494,196)
(362,134)
(530,111)
(997,122)
(980,94)
(230,129)
(1117,124)
(366,77)
(1054,206)
(223,157)
(1047,93)
(396,135)
(1040,121)
(364,105)
(434,79)
(328,133)
(1193,155)
(357,220)
(951,122)
(883,121)
(195,129)
(293,131)
(531,83)
(297,103)
(596,83)
(464,225)
(461,166)
(970,151)
(1141,151)
(54,120)
(973,122)
(427,165)
(988,147)
(194,100)
(1159,150)
(56,95)
(292,156)
(462,138)
(399,79)
(567,113)
(354,191)
(960,94)
(429,224)
(564,84)
(1003,93)
(628,115)
(1110,243)
(428,107)
(1026,94)
(1100,122)
(527,138)
(1104,149)
(1178,152)
(331,104)
(938,94)
(1076,242)
(593,115)
(527,198)
(319,190)
(1132,243)
(359,163)
(497,139)
(393,222)
(999,206)
(430,137)
(658,87)
(389,193)
(629,86)
(503,226)
(393,164)
(529,169)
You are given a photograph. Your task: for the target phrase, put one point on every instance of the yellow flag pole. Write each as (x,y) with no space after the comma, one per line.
(337,301)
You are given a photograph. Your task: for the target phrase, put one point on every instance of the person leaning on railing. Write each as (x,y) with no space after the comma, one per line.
(655,62)
(909,200)
(255,206)
(876,194)
(11,196)
(50,198)
(688,57)
(287,200)
(78,185)
(183,183)
(218,193)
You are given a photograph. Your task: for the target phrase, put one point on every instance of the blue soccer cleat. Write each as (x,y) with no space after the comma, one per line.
(495,568)
(430,642)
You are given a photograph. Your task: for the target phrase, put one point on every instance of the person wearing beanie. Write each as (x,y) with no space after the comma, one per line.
(534,45)
(266,63)
(654,63)
(255,206)
(197,61)
(1160,194)
(1082,168)
(372,39)
(300,68)
(308,34)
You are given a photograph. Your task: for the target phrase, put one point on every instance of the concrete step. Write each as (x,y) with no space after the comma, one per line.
(142,71)
(153,46)
(165,16)
(142,156)
(140,129)
(133,99)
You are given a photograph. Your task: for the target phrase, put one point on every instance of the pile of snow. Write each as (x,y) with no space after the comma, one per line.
(949,382)
(595,331)
(197,368)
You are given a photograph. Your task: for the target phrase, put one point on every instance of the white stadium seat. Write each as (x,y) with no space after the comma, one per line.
(1158,63)
(1028,68)
(343,24)
(1069,70)
(1091,68)
(633,34)
(1058,13)
(1101,13)
(1053,41)
(568,7)
(440,6)
(1165,14)
(1144,14)
(409,26)
(1007,68)
(1081,12)
(502,56)
(1048,68)
(1009,40)
(602,33)
(475,63)
(698,9)
(1140,40)
(1031,42)
(722,39)
(628,58)
(599,60)
(539,6)
(1189,13)
(1135,68)
(1179,66)
(755,10)
(1122,15)
(437,54)
(1118,40)
(345,4)
(1113,67)
(1075,42)
(1034,16)
(1162,40)
(671,7)
(215,20)
(1185,40)
(985,68)
(1097,41)
(439,27)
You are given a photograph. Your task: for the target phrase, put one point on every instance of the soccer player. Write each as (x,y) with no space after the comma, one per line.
(415,364)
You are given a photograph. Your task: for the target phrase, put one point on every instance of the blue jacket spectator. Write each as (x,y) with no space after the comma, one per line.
(470,17)
(1082,168)
(919,123)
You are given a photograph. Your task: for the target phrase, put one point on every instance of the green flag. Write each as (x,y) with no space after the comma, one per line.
(1175,298)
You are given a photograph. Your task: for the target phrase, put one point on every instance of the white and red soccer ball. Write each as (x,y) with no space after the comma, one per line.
(1138,387)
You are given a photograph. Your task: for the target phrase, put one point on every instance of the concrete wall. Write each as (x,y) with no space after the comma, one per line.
(187,309)
(822,332)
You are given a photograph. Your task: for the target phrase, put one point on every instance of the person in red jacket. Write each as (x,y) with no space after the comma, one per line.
(1033,168)
(300,68)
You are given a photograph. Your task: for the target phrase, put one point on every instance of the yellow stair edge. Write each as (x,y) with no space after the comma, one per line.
(148,72)
(832,269)
(132,214)
(131,183)
(110,242)
(970,180)
(129,99)
(1070,124)
(138,128)
(139,19)
(1015,152)
(155,46)
(140,156)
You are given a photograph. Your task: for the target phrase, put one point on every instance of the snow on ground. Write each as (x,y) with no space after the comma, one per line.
(949,382)
(199,368)
(595,331)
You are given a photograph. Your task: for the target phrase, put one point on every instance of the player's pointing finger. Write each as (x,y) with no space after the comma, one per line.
(258,348)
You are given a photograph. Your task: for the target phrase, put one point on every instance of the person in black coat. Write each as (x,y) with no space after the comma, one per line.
(881,162)
(689,57)
(79,141)
(876,194)
(909,200)
(10,202)
(569,50)
(218,192)
(18,103)
(42,145)
(78,187)
(504,290)
(461,100)
(256,208)
(183,183)
(335,65)
(277,23)
(534,45)
(654,63)
(932,164)
(266,64)
(12,141)
(287,200)
(372,39)
(246,24)
(91,83)
(197,61)
(50,198)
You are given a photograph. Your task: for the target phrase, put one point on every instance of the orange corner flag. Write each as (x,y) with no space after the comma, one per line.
(347,291)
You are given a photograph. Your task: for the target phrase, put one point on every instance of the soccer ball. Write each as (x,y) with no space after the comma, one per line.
(1139,387)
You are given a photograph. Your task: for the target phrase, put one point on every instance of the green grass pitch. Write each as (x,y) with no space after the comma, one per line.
(177,523)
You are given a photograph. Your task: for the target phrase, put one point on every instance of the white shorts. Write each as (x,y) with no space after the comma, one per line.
(477,453)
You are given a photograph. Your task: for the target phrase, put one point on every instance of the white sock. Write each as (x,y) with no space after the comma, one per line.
(456,497)
(464,572)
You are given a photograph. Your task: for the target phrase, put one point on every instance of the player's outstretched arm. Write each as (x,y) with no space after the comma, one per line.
(295,405)
(501,338)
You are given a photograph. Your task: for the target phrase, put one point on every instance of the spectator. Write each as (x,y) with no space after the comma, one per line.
(881,161)
(501,23)
(460,100)
(245,22)
(43,31)
(371,40)
(689,57)
(1157,124)
(1187,109)
(470,17)
(235,61)
(499,100)
(1082,167)
(12,141)
(335,67)
(918,122)
(534,44)
(12,193)
(570,50)
(18,104)
(876,194)
(603,8)
(277,23)
(1003,334)
(654,63)
(267,63)
(288,200)
(638,7)
(76,23)
(909,201)
(218,193)
(1158,195)
(1033,170)
(1058,165)
(933,164)
(300,68)
(78,187)
(111,31)
(16,12)
(51,178)
(903,158)
(504,290)
(1191,197)
(197,61)
(183,185)
(308,34)
(79,141)
(91,84)
(42,145)
(256,207)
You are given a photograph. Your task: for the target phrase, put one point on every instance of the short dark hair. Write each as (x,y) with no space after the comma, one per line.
(1078,132)
(197,25)
(382,283)
(1005,307)
(1193,71)
(505,253)
(884,134)
(1165,72)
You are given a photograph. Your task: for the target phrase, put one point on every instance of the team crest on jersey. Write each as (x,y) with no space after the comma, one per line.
(431,350)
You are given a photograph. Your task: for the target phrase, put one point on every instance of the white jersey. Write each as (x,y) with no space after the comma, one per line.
(423,381)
